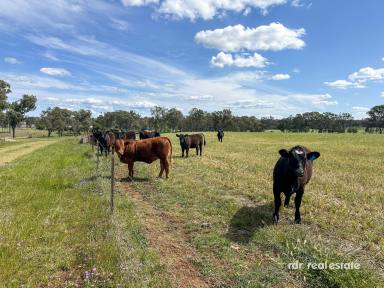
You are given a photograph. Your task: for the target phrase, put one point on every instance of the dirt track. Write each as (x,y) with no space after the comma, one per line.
(165,234)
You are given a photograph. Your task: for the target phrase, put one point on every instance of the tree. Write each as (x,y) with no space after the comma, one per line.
(3,120)
(222,119)
(17,110)
(158,113)
(376,117)
(5,88)
(195,120)
(174,119)
(120,120)
(81,121)
(56,119)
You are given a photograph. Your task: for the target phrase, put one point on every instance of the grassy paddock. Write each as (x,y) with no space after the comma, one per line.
(23,133)
(230,188)
(56,229)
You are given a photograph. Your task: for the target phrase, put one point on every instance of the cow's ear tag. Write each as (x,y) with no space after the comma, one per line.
(313,156)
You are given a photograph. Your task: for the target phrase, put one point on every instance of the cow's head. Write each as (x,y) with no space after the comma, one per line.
(183,139)
(297,158)
(119,147)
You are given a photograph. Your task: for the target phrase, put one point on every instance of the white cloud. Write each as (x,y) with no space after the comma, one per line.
(31,81)
(296,3)
(358,79)
(226,59)
(62,16)
(50,56)
(360,109)
(89,46)
(120,24)
(281,77)
(205,9)
(367,74)
(252,104)
(382,94)
(200,97)
(343,84)
(139,2)
(55,71)
(11,60)
(318,100)
(274,36)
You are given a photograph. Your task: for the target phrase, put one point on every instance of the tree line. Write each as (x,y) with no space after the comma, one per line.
(162,119)
(171,120)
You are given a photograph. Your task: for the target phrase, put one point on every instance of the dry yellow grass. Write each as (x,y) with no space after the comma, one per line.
(10,153)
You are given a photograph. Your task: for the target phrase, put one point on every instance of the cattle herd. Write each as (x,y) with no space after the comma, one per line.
(291,173)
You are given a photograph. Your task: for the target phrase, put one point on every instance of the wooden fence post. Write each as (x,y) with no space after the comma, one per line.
(112,179)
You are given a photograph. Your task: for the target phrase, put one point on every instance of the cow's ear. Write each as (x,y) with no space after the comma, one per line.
(284,153)
(178,135)
(313,155)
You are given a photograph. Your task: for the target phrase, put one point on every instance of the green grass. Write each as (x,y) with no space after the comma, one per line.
(56,226)
(24,133)
(230,188)
(56,223)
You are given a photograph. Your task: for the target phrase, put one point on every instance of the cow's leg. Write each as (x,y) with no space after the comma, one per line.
(276,194)
(161,168)
(201,148)
(187,151)
(197,150)
(130,170)
(182,152)
(166,166)
(287,198)
(299,196)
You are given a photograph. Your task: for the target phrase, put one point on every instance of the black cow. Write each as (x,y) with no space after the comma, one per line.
(145,134)
(191,141)
(98,136)
(291,173)
(220,135)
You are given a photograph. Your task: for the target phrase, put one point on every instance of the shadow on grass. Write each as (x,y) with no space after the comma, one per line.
(135,179)
(185,157)
(247,220)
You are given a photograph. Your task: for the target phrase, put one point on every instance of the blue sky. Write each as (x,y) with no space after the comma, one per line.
(256,57)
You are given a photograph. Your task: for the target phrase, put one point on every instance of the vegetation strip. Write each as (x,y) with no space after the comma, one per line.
(166,237)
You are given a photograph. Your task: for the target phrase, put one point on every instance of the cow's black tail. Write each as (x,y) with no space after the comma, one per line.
(204,140)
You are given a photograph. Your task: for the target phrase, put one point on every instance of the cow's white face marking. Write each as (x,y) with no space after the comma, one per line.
(299,151)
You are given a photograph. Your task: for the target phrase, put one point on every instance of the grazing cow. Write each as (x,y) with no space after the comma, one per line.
(147,150)
(110,139)
(145,134)
(98,136)
(291,173)
(220,135)
(191,141)
(130,135)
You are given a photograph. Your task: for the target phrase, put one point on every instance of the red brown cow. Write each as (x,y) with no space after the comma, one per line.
(146,150)
(110,139)
(145,134)
(130,135)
